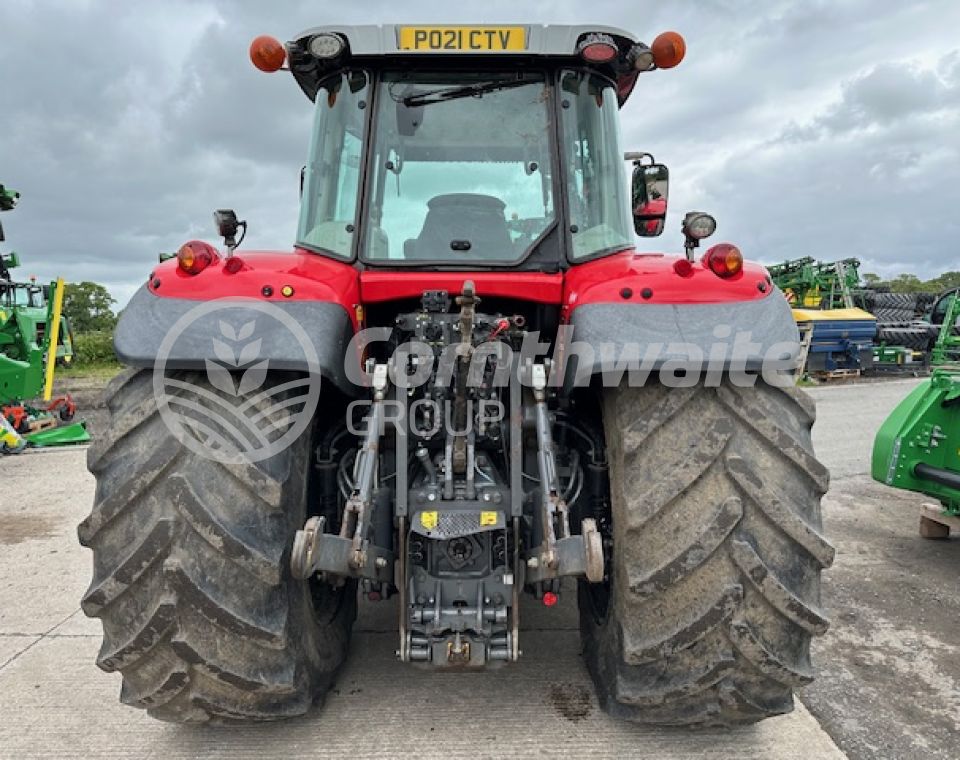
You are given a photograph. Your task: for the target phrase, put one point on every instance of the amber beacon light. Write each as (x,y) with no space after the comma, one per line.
(267,53)
(668,50)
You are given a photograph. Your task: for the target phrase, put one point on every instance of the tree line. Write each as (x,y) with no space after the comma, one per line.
(910,283)
(88,307)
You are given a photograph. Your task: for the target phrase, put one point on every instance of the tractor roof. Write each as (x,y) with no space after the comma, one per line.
(541,39)
(480,42)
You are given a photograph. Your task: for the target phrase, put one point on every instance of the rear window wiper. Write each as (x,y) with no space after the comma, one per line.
(467,91)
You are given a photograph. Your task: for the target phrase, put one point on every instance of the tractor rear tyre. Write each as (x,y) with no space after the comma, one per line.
(191,580)
(714,586)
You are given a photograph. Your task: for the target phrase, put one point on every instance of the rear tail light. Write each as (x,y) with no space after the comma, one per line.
(683,267)
(195,256)
(724,260)
(233,265)
(598,48)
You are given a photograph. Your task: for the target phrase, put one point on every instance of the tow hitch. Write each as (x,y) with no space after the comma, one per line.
(468,526)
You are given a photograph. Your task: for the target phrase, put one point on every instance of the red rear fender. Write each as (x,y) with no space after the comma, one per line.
(265,275)
(652,279)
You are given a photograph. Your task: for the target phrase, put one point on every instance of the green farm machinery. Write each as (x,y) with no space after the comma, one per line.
(918,449)
(28,300)
(30,325)
(818,284)
(946,349)
(838,337)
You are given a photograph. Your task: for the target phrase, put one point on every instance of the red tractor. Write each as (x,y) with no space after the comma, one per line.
(462,387)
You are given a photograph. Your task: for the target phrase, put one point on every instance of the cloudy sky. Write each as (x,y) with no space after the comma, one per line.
(828,129)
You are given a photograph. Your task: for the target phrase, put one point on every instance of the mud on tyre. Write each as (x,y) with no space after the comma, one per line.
(714,592)
(191,581)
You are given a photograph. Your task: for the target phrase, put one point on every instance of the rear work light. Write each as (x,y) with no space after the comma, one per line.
(698,225)
(195,256)
(598,48)
(325,45)
(724,260)
(641,57)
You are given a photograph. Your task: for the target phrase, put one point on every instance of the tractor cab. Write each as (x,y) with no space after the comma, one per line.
(469,147)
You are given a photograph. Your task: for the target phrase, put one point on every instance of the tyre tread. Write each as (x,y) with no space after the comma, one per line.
(199,613)
(693,521)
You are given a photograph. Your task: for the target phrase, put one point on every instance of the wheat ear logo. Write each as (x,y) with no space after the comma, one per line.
(217,391)
(219,374)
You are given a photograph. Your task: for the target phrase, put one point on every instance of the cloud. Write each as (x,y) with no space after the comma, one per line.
(870,175)
(890,93)
(815,128)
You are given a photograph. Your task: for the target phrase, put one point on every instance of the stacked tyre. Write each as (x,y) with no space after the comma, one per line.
(913,336)
(894,307)
(899,319)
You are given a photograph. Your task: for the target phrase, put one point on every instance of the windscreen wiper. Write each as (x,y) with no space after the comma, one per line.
(467,91)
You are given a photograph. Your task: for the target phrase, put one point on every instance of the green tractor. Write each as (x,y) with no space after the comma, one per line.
(27,349)
(28,301)
(918,449)
(946,314)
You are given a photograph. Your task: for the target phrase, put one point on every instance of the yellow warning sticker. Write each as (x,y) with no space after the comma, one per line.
(488,518)
(428,520)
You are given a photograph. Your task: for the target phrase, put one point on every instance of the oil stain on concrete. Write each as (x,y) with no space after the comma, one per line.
(17,528)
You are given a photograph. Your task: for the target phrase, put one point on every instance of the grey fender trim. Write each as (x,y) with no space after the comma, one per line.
(146,320)
(618,330)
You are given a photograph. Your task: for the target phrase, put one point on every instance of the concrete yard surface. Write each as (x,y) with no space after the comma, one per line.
(888,682)
(54,702)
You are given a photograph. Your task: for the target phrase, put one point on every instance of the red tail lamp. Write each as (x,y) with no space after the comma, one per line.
(233,265)
(550,599)
(668,50)
(683,267)
(267,53)
(598,48)
(724,260)
(195,256)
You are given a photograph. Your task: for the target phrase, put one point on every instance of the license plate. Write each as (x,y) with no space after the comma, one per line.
(462,39)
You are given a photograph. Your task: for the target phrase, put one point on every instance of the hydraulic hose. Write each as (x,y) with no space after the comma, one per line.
(946,478)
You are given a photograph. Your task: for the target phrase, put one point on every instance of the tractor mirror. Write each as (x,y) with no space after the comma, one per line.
(651,183)
(303,178)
